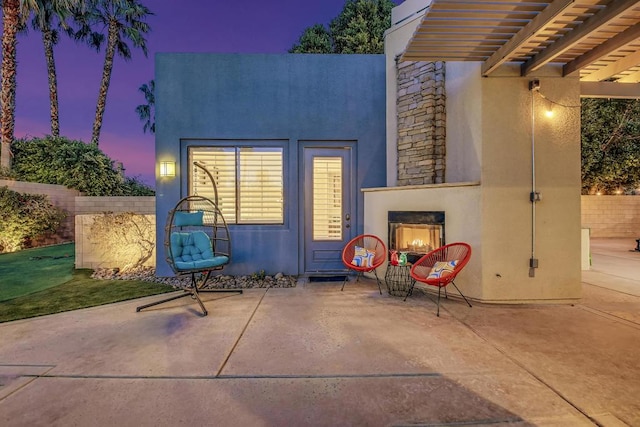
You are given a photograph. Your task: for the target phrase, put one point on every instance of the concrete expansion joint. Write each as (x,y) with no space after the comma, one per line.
(244,329)
(236,377)
(610,316)
(22,365)
(530,372)
(482,422)
(31,377)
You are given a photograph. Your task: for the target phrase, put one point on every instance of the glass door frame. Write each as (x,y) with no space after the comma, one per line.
(350,176)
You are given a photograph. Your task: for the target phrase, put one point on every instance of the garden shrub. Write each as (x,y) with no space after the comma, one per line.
(84,167)
(24,217)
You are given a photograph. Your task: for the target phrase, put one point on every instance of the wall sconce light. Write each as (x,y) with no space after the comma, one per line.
(167,168)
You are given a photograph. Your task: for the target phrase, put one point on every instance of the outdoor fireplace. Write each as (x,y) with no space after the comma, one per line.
(415,232)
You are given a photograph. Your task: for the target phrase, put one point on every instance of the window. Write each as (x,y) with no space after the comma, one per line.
(249,180)
(327,198)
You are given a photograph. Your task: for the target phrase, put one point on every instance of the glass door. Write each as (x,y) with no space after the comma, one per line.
(327,207)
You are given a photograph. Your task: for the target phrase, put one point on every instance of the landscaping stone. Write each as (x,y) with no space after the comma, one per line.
(148,274)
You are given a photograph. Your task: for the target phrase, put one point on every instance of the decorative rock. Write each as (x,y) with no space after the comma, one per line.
(148,274)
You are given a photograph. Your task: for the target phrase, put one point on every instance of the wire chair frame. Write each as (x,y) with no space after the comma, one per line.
(369,242)
(213,225)
(458,251)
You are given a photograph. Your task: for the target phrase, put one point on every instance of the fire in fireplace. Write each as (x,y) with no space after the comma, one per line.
(415,232)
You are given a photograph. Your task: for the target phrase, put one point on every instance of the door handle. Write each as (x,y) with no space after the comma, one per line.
(347,217)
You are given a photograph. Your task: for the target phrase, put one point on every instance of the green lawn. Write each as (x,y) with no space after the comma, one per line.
(50,285)
(32,270)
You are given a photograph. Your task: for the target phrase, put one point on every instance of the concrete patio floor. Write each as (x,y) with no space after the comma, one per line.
(313,355)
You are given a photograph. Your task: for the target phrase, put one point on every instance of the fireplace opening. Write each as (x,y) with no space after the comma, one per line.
(415,232)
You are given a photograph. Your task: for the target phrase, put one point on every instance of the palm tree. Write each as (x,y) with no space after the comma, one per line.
(14,15)
(123,21)
(11,18)
(46,21)
(146,112)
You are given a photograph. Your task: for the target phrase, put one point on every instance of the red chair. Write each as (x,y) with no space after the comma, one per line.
(423,270)
(377,255)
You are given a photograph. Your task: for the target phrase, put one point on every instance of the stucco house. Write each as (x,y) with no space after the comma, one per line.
(291,140)
(444,138)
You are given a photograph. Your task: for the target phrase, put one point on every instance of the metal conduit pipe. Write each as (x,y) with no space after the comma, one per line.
(534,196)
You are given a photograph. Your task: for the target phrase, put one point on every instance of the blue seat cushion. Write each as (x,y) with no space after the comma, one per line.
(193,251)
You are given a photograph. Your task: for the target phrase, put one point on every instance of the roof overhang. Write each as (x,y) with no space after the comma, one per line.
(597,40)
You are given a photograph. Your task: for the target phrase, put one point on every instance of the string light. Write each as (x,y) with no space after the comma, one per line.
(557,103)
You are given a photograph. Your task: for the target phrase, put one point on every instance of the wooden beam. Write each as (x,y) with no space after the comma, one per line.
(631,78)
(627,36)
(610,90)
(613,68)
(612,11)
(533,28)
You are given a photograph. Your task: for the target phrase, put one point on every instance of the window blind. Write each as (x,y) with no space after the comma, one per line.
(261,185)
(327,198)
(250,182)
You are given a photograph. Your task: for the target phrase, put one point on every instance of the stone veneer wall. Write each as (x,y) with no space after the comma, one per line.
(59,196)
(421,123)
(611,216)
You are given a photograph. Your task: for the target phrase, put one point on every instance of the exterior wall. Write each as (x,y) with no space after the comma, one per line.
(421,123)
(405,19)
(210,99)
(464,121)
(507,228)
(90,255)
(456,200)
(611,216)
(59,196)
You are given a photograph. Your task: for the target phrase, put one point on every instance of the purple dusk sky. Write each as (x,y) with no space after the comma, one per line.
(238,26)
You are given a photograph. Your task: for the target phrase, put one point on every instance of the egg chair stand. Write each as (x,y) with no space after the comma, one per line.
(194,290)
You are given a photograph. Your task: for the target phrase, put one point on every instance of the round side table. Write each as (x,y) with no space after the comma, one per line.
(398,279)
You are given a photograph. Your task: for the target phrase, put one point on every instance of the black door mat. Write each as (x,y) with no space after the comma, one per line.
(336,278)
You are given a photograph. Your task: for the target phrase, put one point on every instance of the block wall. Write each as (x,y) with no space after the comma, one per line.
(90,255)
(60,196)
(139,204)
(421,111)
(611,216)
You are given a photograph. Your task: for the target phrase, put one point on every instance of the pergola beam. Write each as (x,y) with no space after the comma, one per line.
(614,68)
(533,28)
(627,36)
(631,78)
(610,90)
(612,11)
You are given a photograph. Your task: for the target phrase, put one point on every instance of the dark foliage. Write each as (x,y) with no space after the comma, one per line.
(610,145)
(74,164)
